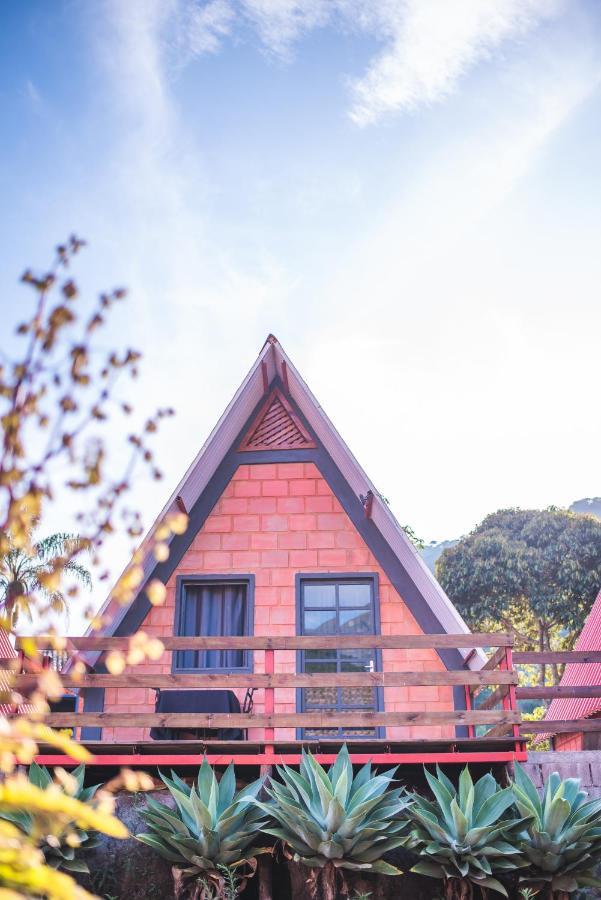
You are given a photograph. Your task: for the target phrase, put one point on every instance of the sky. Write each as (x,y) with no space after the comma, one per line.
(405,192)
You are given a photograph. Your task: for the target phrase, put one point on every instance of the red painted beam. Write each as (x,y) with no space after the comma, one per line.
(261,759)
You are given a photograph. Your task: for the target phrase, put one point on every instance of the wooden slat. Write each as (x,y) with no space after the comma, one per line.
(497,696)
(558,690)
(300,642)
(498,731)
(529,657)
(498,656)
(280,680)
(560,726)
(321,719)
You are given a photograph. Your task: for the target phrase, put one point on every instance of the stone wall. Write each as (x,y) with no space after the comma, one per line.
(584,764)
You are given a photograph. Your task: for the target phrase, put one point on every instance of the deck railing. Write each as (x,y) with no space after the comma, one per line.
(490,724)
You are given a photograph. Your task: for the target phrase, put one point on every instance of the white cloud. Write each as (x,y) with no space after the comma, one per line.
(431,44)
(427,45)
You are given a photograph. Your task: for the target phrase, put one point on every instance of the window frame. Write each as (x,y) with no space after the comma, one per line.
(347,578)
(181,581)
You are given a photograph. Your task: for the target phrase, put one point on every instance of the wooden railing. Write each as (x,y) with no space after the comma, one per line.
(271,681)
(491,693)
(546,692)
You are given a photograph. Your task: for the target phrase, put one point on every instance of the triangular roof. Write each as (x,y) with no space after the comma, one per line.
(274,376)
(581,674)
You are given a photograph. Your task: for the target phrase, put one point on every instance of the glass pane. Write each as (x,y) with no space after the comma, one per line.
(316,595)
(320,622)
(353,621)
(311,655)
(321,696)
(354,594)
(320,667)
(358,696)
(360,664)
(358,657)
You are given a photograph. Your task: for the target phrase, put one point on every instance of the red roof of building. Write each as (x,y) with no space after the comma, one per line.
(582,674)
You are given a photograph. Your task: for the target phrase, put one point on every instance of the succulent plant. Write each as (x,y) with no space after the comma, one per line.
(333,820)
(462,835)
(61,851)
(211,828)
(562,839)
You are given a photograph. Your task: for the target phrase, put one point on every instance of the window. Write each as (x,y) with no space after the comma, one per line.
(213,607)
(334,606)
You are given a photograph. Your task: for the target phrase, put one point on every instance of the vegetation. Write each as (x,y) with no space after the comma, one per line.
(334,820)
(209,836)
(462,836)
(562,840)
(23,574)
(57,392)
(61,850)
(536,572)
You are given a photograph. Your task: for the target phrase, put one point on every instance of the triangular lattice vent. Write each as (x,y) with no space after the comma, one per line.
(276,427)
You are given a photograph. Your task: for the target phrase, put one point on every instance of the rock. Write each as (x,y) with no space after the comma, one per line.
(128,870)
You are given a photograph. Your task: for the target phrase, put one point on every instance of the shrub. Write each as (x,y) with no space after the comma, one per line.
(211,830)
(60,848)
(462,836)
(562,837)
(332,820)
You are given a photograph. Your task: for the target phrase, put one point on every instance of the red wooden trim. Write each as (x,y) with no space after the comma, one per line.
(368,505)
(180,504)
(285,376)
(261,759)
(308,444)
(264,374)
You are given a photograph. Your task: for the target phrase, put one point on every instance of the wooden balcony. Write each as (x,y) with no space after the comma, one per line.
(489,729)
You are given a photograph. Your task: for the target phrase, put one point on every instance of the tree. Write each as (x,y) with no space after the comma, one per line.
(22,575)
(536,572)
(56,395)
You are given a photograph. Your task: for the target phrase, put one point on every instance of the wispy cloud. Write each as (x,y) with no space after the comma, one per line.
(430,45)
(427,46)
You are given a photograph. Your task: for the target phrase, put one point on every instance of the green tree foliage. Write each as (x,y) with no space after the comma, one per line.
(534,571)
(23,574)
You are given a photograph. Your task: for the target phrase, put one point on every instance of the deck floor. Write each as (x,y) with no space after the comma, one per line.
(253,753)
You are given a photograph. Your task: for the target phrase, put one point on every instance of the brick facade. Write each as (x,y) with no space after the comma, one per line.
(275,521)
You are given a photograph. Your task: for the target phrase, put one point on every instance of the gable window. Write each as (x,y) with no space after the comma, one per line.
(212,606)
(339,605)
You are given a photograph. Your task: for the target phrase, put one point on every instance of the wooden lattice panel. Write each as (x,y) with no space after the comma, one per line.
(277,427)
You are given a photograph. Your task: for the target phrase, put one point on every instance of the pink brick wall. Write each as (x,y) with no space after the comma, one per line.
(274,521)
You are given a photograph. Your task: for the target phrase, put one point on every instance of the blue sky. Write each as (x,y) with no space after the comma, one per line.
(405,192)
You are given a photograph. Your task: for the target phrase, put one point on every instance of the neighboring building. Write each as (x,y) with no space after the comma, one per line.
(581,675)
(288,536)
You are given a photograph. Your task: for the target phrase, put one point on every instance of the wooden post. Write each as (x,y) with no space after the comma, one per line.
(266,859)
(269,702)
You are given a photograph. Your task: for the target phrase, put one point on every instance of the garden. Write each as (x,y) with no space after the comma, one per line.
(328,833)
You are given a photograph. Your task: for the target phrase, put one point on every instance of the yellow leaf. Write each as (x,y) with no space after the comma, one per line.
(156,592)
(115,662)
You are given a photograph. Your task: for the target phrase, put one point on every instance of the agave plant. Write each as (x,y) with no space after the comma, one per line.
(562,840)
(60,851)
(210,831)
(332,820)
(462,836)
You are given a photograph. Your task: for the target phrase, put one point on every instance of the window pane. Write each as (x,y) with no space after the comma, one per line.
(355,622)
(354,594)
(212,610)
(321,696)
(320,622)
(320,667)
(319,595)
(358,696)
(311,655)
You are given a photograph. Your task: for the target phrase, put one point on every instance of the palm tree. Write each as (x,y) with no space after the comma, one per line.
(22,574)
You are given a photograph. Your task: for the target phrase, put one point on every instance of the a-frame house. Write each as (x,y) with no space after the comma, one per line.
(288,536)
